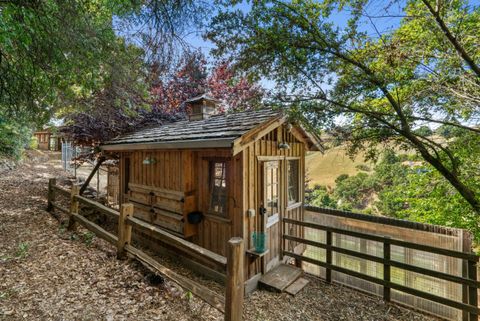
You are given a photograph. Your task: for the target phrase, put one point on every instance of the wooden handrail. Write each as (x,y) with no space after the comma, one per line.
(215,300)
(184,245)
(383,220)
(455,304)
(381,260)
(61,190)
(189,247)
(469,304)
(100,207)
(97,230)
(461,255)
(231,304)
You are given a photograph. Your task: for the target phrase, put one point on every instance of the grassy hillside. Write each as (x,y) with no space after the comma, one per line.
(324,168)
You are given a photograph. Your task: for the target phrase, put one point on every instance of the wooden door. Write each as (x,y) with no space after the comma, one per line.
(271,218)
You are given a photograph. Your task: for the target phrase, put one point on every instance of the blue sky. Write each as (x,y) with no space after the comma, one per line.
(338,18)
(375,8)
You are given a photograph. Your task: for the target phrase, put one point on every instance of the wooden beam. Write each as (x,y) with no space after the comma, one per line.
(89,178)
(472,291)
(51,194)
(386,271)
(99,207)
(124,230)
(215,300)
(415,246)
(177,242)
(161,249)
(387,221)
(235,285)
(377,259)
(100,232)
(61,190)
(250,137)
(73,207)
(60,208)
(425,295)
(162,192)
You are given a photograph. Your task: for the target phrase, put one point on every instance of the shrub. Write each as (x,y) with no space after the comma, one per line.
(363,167)
(14,137)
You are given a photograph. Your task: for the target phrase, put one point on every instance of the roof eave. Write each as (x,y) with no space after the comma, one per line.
(316,142)
(192,144)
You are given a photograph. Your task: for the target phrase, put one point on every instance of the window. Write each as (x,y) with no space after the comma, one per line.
(271,188)
(218,188)
(293,179)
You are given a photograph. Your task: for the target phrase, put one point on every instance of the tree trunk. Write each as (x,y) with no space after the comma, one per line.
(458,47)
(451,177)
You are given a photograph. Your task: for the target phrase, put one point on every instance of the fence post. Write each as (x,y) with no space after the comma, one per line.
(235,287)
(386,269)
(472,291)
(124,230)
(73,207)
(467,248)
(51,194)
(328,271)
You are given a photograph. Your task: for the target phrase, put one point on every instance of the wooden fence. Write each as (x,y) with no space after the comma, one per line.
(231,304)
(468,305)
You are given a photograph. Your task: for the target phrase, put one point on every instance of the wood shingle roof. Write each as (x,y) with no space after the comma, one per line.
(219,130)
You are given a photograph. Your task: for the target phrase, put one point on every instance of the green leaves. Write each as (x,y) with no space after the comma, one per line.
(13,137)
(46,48)
(363,82)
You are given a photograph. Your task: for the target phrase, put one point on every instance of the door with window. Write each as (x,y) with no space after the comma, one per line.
(271,208)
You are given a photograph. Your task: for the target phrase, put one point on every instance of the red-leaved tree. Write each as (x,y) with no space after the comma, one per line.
(165,102)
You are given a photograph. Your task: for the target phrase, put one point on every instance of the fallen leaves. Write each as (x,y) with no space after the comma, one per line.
(48,273)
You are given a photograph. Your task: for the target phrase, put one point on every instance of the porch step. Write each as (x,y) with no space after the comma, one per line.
(280,278)
(296,286)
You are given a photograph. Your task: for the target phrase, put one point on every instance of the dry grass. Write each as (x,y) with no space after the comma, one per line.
(324,168)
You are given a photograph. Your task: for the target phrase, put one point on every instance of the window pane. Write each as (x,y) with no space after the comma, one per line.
(271,188)
(293,178)
(218,190)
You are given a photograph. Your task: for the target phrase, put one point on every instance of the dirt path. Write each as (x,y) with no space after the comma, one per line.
(47,273)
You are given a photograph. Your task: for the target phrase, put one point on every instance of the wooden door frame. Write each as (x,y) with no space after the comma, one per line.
(261,196)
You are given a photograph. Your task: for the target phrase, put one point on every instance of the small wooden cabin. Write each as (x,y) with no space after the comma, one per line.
(47,140)
(213,177)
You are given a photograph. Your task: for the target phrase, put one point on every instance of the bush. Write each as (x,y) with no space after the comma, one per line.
(363,167)
(14,138)
(33,144)
(320,196)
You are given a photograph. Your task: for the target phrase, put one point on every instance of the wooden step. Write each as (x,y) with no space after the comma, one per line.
(280,277)
(296,286)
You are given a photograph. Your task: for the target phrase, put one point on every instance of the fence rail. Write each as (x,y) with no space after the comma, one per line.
(470,306)
(230,304)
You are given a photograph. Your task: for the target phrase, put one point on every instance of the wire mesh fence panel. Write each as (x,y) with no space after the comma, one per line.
(68,153)
(452,239)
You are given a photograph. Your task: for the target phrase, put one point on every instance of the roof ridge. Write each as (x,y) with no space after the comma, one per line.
(238,121)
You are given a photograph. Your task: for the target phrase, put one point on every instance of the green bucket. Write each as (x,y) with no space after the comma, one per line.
(259,241)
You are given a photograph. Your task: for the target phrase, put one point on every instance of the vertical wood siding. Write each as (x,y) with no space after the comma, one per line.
(252,190)
(187,172)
